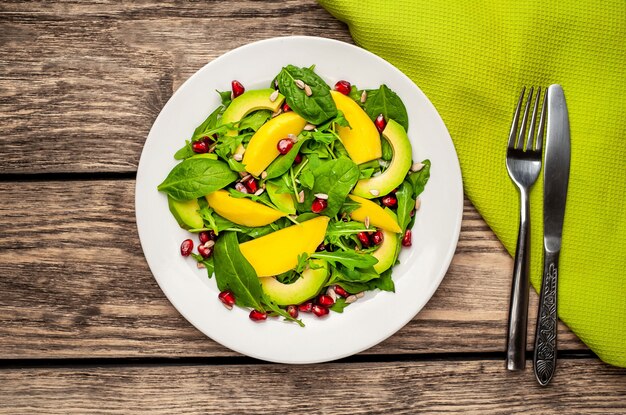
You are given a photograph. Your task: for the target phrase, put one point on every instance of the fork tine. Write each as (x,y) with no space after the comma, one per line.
(522,130)
(533,122)
(515,120)
(542,122)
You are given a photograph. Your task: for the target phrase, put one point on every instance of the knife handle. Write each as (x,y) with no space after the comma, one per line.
(544,358)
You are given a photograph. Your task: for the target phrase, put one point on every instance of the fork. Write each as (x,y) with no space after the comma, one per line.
(523,164)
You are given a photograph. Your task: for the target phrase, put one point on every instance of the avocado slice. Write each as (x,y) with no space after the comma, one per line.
(211,156)
(283,201)
(186,213)
(244,104)
(307,286)
(388,250)
(398,168)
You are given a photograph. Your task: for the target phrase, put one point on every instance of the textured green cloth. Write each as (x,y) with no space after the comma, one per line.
(472,58)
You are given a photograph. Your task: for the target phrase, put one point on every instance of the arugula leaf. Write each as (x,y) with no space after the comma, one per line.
(339,305)
(349,259)
(185,152)
(227,145)
(302,262)
(282,163)
(225,96)
(234,272)
(419,178)
(359,274)
(349,206)
(207,262)
(276,309)
(384,101)
(336,178)
(406,203)
(196,177)
(207,125)
(317,108)
(355,94)
(255,120)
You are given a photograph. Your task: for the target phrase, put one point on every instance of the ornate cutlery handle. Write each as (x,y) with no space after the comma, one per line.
(545,336)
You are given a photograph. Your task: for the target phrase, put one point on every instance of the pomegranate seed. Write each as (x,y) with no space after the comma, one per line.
(257,315)
(293,311)
(237,88)
(340,291)
(380,123)
(344,87)
(389,201)
(206,236)
(204,251)
(318,205)
(319,311)
(321,248)
(298,159)
(364,238)
(394,191)
(228,298)
(286,107)
(251,185)
(186,247)
(406,239)
(200,147)
(284,146)
(378,237)
(325,300)
(412,213)
(306,307)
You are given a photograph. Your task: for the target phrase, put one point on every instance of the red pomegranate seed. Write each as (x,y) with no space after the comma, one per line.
(237,88)
(319,310)
(378,237)
(389,201)
(321,247)
(406,239)
(344,87)
(298,159)
(306,307)
(251,185)
(286,107)
(206,236)
(200,147)
(284,146)
(412,213)
(228,298)
(186,247)
(293,311)
(364,238)
(380,123)
(340,291)
(256,315)
(318,205)
(204,251)
(325,300)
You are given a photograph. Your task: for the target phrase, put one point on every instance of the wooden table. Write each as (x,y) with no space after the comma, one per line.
(83,325)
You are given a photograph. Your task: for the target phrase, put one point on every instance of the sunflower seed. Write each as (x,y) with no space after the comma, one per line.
(307,91)
(331,293)
(360,295)
(238,156)
(418,203)
(350,299)
(240,187)
(321,196)
(209,243)
(232,96)
(273,96)
(299,83)
(259,192)
(246,177)
(264,175)
(374,192)
(309,127)
(301,196)
(292,137)
(367,222)
(417,167)
(277,113)
(200,265)
(363,97)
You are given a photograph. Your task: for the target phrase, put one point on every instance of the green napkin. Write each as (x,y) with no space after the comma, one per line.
(472,58)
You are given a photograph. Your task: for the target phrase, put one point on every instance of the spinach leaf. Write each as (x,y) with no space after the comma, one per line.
(207,262)
(307,179)
(384,283)
(339,305)
(284,162)
(419,178)
(355,94)
(235,165)
(197,177)
(234,272)
(185,152)
(317,108)
(255,120)
(350,260)
(387,150)
(336,178)
(208,124)
(359,274)
(384,101)
(406,203)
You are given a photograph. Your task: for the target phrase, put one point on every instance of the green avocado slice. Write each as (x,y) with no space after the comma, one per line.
(388,250)
(244,104)
(398,168)
(307,286)
(186,213)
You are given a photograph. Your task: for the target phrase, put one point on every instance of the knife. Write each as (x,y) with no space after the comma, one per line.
(555,180)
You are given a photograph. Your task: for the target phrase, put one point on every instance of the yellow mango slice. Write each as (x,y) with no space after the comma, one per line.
(378,217)
(242,211)
(278,252)
(261,150)
(362,141)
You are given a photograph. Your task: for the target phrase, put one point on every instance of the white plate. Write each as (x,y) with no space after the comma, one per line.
(368,321)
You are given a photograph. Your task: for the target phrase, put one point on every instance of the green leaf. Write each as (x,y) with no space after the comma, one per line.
(339,305)
(207,125)
(349,259)
(419,178)
(197,177)
(225,96)
(355,94)
(387,150)
(406,203)
(185,152)
(302,262)
(336,178)
(282,163)
(255,120)
(359,274)
(384,283)
(235,165)
(384,101)
(234,272)
(316,108)
(276,309)
(207,262)
(307,179)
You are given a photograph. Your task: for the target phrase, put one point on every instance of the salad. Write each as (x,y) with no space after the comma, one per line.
(300,196)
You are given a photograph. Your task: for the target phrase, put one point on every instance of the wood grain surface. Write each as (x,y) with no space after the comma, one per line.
(463,387)
(75,284)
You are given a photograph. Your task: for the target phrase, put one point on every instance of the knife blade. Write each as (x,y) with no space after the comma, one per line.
(555,182)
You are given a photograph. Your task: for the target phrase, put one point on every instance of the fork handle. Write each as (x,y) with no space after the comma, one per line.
(518,306)
(544,358)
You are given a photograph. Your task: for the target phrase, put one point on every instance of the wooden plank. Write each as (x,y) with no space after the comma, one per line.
(74,283)
(582,386)
(81,83)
